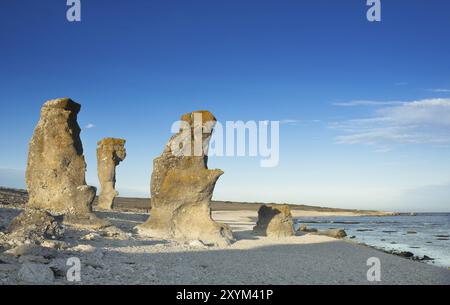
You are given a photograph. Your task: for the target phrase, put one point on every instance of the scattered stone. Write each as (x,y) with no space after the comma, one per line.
(336,233)
(55,174)
(442,236)
(389,231)
(182,186)
(54,244)
(59,267)
(304,228)
(274,221)
(197,243)
(83,248)
(411,232)
(33,259)
(13,197)
(426,258)
(35,274)
(32,249)
(363,230)
(90,236)
(406,254)
(352,237)
(116,233)
(110,152)
(35,226)
(92,263)
(85,222)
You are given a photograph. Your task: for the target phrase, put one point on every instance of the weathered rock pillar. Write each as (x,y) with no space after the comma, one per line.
(182,186)
(110,152)
(55,174)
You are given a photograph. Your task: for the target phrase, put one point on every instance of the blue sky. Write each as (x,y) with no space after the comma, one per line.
(365,106)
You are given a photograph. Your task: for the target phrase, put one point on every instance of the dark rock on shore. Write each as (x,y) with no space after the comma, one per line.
(304,228)
(406,254)
(336,233)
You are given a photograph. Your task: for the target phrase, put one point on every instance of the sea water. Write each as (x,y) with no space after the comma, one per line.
(422,234)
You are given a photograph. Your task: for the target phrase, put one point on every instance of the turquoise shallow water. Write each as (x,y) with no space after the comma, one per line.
(423,234)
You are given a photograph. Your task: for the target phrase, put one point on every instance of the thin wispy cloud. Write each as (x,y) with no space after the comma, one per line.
(367,103)
(290,122)
(439,90)
(89,126)
(401,84)
(418,122)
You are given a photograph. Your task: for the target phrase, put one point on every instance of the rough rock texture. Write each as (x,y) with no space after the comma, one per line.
(110,152)
(35,226)
(33,273)
(274,221)
(304,228)
(335,233)
(182,187)
(56,168)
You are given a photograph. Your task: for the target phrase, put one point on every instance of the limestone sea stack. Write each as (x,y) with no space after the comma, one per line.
(274,220)
(182,186)
(110,152)
(55,174)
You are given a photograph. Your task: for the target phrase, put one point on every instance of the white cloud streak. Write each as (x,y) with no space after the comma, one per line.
(290,122)
(89,126)
(439,90)
(367,103)
(418,122)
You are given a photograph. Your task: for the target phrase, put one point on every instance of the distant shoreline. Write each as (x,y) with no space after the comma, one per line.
(19,196)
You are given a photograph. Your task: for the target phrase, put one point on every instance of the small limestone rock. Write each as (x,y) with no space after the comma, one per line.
(32,249)
(54,244)
(113,232)
(35,226)
(197,243)
(83,248)
(182,186)
(90,236)
(304,228)
(110,152)
(274,221)
(35,274)
(335,233)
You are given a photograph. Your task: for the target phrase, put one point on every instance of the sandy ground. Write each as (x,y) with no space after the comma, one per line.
(303,259)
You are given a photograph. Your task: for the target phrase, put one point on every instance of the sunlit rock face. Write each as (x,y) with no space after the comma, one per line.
(55,174)
(274,221)
(182,186)
(110,152)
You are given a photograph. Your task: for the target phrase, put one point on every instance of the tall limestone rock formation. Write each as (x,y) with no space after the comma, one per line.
(56,168)
(182,186)
(110,152)
(274,220)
